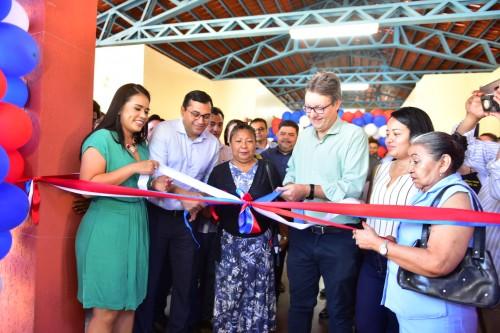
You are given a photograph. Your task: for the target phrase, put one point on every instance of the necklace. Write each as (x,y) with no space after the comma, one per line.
(131,148)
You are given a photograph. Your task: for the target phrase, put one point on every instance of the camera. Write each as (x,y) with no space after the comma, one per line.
(487,101)
(489,104)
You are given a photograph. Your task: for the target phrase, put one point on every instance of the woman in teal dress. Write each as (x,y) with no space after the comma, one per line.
(112,240)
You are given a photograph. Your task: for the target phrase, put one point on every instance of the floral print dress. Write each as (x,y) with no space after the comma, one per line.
(245,299)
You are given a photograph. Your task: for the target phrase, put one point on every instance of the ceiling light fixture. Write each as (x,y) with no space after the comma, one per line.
(333,30)
(354,86)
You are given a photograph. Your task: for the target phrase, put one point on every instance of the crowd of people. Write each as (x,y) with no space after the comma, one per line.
(222,265)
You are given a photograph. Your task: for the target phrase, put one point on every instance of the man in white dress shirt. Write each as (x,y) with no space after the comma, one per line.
(186,146)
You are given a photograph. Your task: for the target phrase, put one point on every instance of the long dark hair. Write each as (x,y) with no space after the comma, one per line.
(111,120)
(417,120)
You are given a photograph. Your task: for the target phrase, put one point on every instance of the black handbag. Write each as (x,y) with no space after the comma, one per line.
(474,282)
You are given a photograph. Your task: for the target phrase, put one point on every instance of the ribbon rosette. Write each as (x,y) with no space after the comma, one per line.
(246,220)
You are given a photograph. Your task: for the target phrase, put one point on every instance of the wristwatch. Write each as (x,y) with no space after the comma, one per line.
(311,192)
(382,249)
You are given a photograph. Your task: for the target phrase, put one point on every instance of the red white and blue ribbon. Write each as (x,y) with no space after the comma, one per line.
(273,210)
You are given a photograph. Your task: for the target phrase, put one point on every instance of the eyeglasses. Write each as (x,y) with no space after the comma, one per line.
(196,115)
(317,109)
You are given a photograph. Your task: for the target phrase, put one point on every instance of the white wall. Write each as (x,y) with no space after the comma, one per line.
(443,97)
(114,67)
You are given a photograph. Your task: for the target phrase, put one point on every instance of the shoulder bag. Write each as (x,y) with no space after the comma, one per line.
(474,282)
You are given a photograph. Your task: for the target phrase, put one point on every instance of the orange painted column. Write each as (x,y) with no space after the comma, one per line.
(38,290)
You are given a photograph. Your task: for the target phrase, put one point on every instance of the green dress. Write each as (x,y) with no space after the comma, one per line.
(112,241)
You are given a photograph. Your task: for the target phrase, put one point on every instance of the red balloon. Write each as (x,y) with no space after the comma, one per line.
(16,166)
(381,151)
(15,126)
(377,112)
(358,114)
(275,123)
(3,84)
(347,116)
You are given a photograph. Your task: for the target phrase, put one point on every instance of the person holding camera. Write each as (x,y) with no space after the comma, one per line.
(483,157)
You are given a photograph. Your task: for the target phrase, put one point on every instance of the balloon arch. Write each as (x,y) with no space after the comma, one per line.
(374,123)
(19,55)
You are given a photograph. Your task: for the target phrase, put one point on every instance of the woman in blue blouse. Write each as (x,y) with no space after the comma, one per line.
(434,160)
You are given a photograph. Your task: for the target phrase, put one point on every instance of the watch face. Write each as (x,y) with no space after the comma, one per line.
(383,249)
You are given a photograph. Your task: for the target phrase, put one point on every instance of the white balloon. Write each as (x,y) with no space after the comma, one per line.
(381,131)
(304,121)
(371,129)
(376,136)
(18,16)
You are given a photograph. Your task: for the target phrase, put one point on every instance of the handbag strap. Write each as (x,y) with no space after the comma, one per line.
(268,172)
(479,238)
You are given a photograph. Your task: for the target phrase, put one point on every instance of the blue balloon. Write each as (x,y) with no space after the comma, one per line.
(358,121)
(287,115)
(4,164)
(340,113)
(19,53)
(296,116)
(5,243)
(368,117)
(17,92)
(270,132)
(5,6)
(381,141)
(13,206)
(379,121)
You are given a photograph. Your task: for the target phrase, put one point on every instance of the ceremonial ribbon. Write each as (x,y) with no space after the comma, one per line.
(410,214)
(246,220)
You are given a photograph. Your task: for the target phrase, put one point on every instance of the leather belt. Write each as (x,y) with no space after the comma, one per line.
(174,213)
(321,230)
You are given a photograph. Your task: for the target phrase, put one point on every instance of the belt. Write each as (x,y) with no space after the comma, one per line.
(174,213)
(321,230)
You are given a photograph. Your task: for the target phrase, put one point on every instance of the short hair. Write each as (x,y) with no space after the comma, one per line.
(242,127)
(372,140)
(325,84)
(288,123)
(154,117)
(216,111)
(197,96)
(492,136)
(440,143)
(226,130)
(258,120)
(417,121)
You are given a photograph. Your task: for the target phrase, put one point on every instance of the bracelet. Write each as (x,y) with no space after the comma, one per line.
(311,192)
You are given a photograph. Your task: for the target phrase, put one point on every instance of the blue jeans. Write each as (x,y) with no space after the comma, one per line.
(335,257)
(371,317)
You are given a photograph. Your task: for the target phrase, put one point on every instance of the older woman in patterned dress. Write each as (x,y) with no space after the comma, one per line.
(245,299)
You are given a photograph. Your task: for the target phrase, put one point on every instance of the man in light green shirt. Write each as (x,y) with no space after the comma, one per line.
(329,163)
